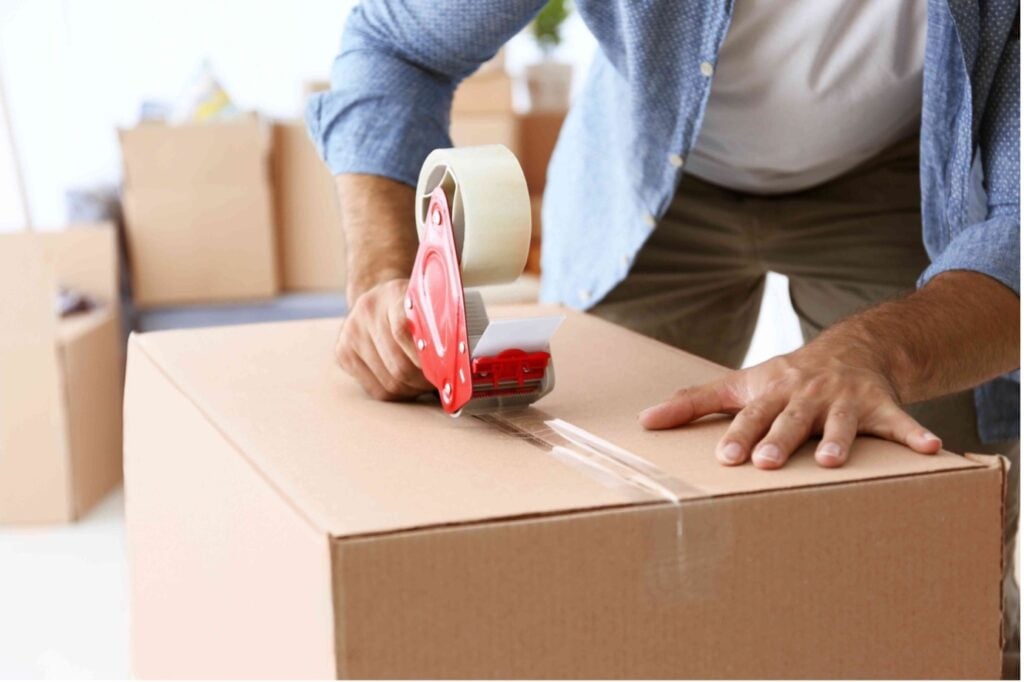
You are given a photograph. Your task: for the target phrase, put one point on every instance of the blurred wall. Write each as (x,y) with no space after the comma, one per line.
(74,70)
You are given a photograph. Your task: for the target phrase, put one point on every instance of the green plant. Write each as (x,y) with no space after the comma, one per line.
(547,22)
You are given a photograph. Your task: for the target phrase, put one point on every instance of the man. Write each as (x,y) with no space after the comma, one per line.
(818,136)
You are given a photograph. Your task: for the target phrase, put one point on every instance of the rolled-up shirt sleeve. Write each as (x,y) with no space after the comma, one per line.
(393,80)
(992,246)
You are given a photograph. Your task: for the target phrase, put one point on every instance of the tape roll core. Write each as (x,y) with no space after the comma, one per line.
(490,206)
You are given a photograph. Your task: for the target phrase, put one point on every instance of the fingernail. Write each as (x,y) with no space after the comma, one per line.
(768,453)
(830,451)
(732,452)
(646,413)
(928,435)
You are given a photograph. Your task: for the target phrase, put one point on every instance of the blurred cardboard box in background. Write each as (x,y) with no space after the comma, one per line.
(311,243)
(432,547)
(198,212)
(60,378)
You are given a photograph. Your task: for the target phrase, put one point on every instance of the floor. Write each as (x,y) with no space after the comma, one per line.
(63,596)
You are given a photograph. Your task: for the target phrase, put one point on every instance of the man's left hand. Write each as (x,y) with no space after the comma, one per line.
(779,404)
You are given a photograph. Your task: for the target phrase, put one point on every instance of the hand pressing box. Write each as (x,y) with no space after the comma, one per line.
(282,524)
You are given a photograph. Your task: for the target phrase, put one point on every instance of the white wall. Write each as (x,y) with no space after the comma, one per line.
(75,70)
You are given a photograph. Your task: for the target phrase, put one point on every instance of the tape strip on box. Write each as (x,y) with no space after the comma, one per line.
(672,571)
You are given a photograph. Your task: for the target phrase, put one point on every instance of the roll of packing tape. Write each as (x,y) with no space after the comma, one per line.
(490,207)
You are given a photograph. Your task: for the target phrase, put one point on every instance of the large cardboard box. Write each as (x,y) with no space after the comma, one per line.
(60,379)
(282,524)
(311,243)
(198,212)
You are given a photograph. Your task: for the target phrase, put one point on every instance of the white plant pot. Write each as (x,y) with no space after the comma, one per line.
(549,84)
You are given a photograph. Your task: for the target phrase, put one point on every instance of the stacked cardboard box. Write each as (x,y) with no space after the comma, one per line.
(310,240)
(198,212)
(282,524)
(60,378)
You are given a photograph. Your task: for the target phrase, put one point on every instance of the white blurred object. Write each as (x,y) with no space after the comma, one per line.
(549,84)
(204,99)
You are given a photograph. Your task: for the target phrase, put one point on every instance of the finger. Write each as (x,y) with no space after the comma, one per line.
(393,386)
(354,365)
(399,324)
(788,432)
(684,407)
(396,361)
(750,424)
(892,423)
(837,439)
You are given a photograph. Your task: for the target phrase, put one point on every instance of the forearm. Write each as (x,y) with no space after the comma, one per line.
(380,231)
(960,330)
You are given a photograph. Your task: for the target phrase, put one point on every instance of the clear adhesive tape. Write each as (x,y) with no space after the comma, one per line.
(490,208)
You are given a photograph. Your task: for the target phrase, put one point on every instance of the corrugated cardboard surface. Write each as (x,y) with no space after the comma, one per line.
(34,466)
(60,381)
(92,361)
(198,212)
(456,551)
(897,578)
(227,580)
(309,405)
(311,244)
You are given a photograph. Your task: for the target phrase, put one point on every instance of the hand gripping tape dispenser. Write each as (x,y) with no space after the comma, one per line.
(473,219)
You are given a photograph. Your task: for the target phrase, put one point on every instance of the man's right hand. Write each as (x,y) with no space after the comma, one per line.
(375,345)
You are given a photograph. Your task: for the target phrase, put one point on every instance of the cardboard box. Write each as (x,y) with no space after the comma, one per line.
(531,137)
(198,212)
(282,524)
(311,243)
(485,92)
(60,379)
(538,134)
(469,130)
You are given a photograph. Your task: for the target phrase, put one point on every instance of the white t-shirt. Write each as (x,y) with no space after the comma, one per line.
(805,90)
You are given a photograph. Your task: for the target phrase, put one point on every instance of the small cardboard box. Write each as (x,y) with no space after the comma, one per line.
(198,212)
(60,379)
(311,244)
(282,524)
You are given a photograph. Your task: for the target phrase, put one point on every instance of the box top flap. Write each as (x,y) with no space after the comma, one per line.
(165,157)
(354,466)
(85,259)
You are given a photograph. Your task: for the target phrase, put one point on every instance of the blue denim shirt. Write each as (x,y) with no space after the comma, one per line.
(611,177)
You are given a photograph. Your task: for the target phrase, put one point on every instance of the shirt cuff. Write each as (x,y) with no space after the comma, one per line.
(384,116)
(991,247)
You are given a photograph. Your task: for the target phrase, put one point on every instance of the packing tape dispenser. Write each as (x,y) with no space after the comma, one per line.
(473,219)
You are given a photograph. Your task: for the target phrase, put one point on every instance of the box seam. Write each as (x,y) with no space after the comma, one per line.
(651,504)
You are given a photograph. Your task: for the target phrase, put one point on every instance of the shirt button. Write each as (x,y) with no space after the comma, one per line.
(675,160)
(626,260)
(585,295)
(707,69)
(650,221)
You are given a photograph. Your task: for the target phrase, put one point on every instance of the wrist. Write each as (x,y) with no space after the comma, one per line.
(854,345)
(362,280)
